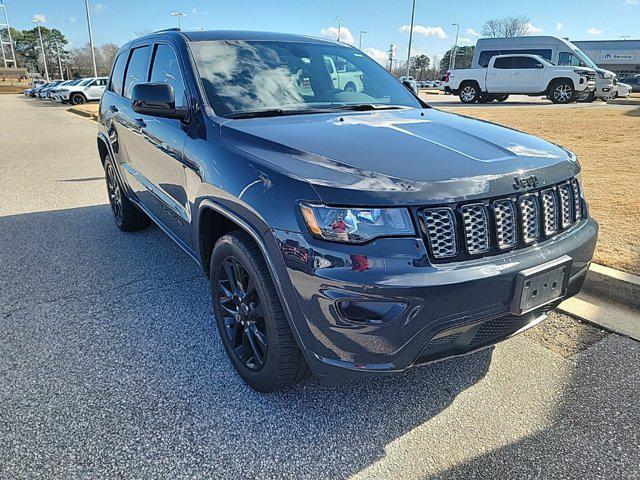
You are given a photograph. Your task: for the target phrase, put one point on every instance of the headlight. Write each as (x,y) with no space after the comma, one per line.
(356,225)
(604,76)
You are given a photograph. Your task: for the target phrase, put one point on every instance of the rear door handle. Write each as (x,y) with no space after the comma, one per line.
(113,108)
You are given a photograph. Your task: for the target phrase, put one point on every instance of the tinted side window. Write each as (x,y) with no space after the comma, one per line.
(566,58)
(485,56)
(503,63)
(166,69)
(101,82)
(527,62)
(137,69)
(117,74)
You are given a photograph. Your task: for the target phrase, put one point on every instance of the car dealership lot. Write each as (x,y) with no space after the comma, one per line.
(110,364)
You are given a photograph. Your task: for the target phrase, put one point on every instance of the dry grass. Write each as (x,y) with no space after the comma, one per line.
(607,143)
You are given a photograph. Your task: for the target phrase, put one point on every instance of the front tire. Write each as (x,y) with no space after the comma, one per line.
(77,99)
(251,322)
(126,215)
(469,93)
(562,92)
(350,87)
(587,98)
(501,98)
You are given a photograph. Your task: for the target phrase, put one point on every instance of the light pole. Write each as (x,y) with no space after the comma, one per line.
(6,24)
(413,15)
(339,19)
(362,32)
(36,20)
(454,52)
(93,53)
(179,15)
(59,62)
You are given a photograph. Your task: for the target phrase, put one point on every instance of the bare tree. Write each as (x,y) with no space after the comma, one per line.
(517,26)
(492,28)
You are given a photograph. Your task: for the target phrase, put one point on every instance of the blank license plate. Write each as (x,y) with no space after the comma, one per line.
(541,285)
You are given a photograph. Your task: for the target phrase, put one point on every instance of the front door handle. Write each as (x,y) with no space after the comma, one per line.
(113,108)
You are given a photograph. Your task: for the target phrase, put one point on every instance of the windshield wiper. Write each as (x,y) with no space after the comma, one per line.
(363,107)
(272,112)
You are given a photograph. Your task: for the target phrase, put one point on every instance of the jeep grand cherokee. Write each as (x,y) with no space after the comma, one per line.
(345,232)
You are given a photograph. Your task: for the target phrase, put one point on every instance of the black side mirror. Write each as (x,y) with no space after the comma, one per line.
(156,99)
(408,85)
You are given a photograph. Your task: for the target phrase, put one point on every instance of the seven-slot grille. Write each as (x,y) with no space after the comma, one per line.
(495,225)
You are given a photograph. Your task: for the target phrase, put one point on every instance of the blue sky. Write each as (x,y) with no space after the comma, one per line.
(118,21)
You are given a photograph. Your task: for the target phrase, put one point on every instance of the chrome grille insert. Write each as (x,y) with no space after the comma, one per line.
(566,216)
(529,218)
(505,217)
(490,226)
(549,201)
(476,228)
(577,202)
(441,232)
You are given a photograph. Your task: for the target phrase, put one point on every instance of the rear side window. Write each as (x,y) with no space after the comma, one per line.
(503,62)
(527,62)
(117,74)
(166,69)
(137,69)
(486,56)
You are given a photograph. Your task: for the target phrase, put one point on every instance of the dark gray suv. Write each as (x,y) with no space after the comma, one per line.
(347,229)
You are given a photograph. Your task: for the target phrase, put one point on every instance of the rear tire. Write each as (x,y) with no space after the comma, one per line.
(501,98)
(561,92)
(469,93)
(253,327)
(127,216)
(350,87)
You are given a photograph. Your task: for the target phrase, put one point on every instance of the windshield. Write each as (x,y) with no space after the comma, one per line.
(245,76)
(585,59)
(85,81)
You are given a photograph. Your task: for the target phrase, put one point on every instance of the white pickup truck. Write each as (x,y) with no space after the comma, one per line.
(522,74)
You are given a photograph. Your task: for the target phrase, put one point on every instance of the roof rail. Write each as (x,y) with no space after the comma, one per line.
(174,29)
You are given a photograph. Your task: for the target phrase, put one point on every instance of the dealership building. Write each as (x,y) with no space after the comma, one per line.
(619,56)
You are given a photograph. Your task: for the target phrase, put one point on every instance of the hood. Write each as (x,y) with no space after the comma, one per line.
(392,157)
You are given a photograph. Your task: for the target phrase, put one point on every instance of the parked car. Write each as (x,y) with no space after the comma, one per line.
(343,233)
(622,90)
(343,76)
(55,90)
(44,91)
(88,89)
(36,89)
(37,83)
(553,49)
(411,82)
(522,74)
(633,81)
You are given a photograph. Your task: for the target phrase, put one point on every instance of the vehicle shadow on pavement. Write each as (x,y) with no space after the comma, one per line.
(111,364)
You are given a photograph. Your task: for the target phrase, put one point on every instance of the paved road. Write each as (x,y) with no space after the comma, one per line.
(110,365)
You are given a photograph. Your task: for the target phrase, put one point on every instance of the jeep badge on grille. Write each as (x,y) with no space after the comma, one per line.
(525,182)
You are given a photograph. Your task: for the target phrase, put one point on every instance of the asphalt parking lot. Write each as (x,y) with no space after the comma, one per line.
(441,100)
(110,364)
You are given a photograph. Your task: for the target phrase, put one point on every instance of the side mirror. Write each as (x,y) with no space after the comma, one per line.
(156,99)
(408,85)
(539,65)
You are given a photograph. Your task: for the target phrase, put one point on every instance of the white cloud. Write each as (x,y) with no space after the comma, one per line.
(630,2)
(196,12)
(41,17)
(99,8)
(532,29)
(378,55)
(425,31)
(332,33)
(72,20)
(559,26)
(465,41)
(594,31)
(472,32)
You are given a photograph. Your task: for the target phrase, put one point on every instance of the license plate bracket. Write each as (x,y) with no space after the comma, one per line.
(541,285)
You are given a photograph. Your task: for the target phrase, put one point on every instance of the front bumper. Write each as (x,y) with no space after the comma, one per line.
(467,301)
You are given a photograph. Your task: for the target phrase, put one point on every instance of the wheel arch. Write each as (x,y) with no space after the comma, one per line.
(555,81)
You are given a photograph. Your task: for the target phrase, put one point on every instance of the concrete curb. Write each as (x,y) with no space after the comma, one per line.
(612,284)
(83,113)
(625,101)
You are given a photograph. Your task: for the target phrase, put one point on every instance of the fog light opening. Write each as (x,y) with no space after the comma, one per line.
(371,312)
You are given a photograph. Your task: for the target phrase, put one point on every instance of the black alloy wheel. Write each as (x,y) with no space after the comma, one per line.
(242,314)
(115,192)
